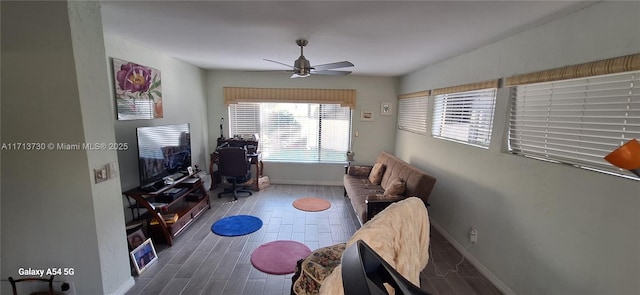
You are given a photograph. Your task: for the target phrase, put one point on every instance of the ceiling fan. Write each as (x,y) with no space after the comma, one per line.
(302,67)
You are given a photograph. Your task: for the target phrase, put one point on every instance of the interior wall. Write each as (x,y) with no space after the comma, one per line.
(0,153)
(97,120)
(49,199)
(543,228)
(375,136)
(183,98)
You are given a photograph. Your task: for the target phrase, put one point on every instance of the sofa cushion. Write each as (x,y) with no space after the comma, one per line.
(376,173)
(417,183)
(396,187)
(359,170)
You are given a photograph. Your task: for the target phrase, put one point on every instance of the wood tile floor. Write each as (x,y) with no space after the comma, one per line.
(201,262)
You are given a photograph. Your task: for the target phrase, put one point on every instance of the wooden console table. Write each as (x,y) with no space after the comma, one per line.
(189,204)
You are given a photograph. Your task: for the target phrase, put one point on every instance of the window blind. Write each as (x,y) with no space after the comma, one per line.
(295,132)
(576,121)
(412,112)
(465,117)
(244,118)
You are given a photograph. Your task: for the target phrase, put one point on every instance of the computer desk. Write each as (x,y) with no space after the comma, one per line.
(254,159)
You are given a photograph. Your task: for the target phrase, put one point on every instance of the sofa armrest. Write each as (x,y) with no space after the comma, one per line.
(377,203)
(359,170)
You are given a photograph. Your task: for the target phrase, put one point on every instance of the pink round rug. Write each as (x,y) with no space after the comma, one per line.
(311,204)
(279,257)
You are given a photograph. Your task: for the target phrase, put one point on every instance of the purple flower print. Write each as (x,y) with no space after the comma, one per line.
(133,77)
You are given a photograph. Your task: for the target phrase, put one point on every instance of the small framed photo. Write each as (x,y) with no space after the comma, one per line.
(143,256)
(136,239)
(385,108)
(366,116)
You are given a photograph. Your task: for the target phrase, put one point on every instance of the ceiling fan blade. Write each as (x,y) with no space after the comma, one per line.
(335,65)
(332,73)
(281,63)
(268,71)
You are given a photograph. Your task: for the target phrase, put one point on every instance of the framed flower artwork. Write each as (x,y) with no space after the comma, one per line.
(138,91)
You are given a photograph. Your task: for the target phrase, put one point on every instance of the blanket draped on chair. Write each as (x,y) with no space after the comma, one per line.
(400,235)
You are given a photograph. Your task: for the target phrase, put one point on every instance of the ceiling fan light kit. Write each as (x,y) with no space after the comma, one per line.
(302,67)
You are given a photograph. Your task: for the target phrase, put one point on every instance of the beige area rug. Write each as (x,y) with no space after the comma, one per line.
(311,204)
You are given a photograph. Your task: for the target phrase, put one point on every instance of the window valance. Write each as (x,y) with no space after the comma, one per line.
(415,94)
(344,97)
(466,87)
(596,68)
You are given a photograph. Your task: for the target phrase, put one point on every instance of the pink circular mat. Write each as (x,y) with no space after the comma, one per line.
(311,204)
(279,257)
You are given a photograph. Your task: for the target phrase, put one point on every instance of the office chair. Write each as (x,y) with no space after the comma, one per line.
(49,280)
(234,165)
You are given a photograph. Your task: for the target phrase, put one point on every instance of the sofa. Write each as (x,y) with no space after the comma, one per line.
(373,188)
(399,234)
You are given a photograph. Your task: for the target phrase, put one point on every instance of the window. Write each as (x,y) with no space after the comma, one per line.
(576,121)
(295,132)
(465,117)
(412,112)
(244,118)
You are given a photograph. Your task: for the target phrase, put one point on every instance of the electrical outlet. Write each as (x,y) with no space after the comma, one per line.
(473,235)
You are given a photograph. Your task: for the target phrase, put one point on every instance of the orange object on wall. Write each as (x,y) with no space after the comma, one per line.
(627,156)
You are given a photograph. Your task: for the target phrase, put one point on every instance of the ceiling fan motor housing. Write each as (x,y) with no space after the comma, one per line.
(302,66)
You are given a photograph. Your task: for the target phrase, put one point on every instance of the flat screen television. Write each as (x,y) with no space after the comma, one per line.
(162,151)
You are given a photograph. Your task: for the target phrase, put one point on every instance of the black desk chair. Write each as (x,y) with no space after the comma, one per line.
(49,280)
(234,165)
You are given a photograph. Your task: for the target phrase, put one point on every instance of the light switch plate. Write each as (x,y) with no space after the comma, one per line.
(101,174)
(113,170)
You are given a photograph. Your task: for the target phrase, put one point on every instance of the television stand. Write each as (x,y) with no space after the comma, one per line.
(189,204)
(153,187)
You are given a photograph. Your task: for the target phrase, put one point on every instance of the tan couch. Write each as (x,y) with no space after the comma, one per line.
(368,199)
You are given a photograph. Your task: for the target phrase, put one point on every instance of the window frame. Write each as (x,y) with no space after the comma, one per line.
(318,143)
(467,106)
(413,112)
(595,130)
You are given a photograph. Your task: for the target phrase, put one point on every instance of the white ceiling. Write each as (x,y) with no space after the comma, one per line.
(381,38)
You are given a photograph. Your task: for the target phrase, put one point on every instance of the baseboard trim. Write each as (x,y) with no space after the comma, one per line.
(305,182)
(124,288)
(467,255)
